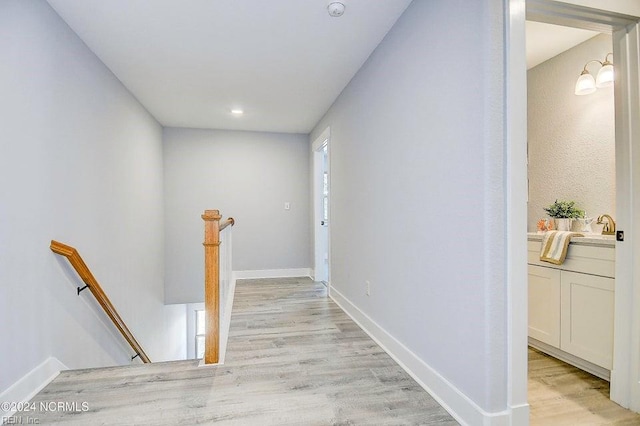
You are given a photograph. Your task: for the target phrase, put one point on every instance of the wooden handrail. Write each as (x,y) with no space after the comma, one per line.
(212,228)
(87,277)
(230,221)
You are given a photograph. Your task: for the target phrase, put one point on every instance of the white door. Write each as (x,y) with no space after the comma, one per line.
(320,150)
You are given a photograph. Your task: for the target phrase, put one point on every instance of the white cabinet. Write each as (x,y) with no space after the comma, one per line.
(544,305)
(571,306)
(587,317)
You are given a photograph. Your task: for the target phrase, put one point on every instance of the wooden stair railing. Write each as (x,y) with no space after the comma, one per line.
(90,282)
(212,228)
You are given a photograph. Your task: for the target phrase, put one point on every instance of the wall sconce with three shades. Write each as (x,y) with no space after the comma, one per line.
(586,84)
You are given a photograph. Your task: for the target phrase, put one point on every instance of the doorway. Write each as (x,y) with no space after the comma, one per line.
(625,376)
(571,156)
(321,210)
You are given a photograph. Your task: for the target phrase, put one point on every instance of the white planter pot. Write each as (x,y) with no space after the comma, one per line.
(563,224)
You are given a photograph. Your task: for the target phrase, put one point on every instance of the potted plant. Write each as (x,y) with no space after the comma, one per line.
(564,212)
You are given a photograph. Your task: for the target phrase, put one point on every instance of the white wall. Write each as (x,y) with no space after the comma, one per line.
(80,162)
(417,198)
(247,175)
(571,138)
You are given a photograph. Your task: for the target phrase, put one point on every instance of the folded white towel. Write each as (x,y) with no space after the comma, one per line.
(555,245)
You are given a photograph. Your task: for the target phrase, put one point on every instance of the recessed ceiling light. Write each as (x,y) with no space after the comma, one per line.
(237,111)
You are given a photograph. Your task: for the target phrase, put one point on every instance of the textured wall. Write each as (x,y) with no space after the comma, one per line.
(80,162)
(571,138)
(247,175)
(416,162)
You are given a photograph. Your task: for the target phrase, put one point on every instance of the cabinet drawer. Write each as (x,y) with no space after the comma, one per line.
(586,259)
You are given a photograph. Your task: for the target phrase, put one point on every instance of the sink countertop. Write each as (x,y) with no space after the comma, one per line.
(587,240)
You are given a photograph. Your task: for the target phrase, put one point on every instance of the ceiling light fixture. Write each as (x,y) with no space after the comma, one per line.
(237,111)
(335,8)
(586,84)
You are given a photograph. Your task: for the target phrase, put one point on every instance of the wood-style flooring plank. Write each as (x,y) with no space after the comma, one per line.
(563,395)
(293,358)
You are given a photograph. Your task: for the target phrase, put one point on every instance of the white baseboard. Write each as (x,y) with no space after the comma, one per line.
(31,383)
(203,365)
(463,409)
(519,415)
(582,364)
(272,273)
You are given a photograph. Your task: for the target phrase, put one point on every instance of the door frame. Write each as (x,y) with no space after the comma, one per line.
(625,376)
(317,184)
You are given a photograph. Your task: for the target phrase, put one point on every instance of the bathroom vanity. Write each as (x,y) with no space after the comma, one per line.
(571,306)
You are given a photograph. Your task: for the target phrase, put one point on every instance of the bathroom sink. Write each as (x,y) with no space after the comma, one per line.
(599,237)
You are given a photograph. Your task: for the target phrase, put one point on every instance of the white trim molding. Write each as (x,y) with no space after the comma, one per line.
(317,144)
(272,273)
(463,409)
(582,364)
(31,383)
(625,31)
(516,197)
(625,376)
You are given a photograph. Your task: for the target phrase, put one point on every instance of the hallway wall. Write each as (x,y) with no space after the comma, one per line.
(80,162)
(247,175)
(417,196)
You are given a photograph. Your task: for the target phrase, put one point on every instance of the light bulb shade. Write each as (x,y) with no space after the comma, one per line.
(585,84)
(605,76)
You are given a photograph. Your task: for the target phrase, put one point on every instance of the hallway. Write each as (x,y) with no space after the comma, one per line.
(293,358)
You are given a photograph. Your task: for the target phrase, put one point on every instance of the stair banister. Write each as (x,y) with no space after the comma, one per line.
(212,228)
(87,277)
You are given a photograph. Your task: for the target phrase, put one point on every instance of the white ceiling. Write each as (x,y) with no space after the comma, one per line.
(544,41)
(283,61)
(190,62)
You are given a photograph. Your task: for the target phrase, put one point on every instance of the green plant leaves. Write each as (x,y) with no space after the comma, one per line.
(564,210)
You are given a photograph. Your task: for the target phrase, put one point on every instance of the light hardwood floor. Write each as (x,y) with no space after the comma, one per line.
(560,394)
(293,358)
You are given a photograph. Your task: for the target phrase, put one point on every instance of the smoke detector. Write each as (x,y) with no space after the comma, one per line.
(335,8)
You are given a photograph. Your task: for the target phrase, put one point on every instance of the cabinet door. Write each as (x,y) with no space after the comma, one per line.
(587,317)
(544,305)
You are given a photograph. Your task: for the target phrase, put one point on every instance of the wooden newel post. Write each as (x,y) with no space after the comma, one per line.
(212,285)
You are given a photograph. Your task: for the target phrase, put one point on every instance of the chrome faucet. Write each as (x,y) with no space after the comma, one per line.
(609,227)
